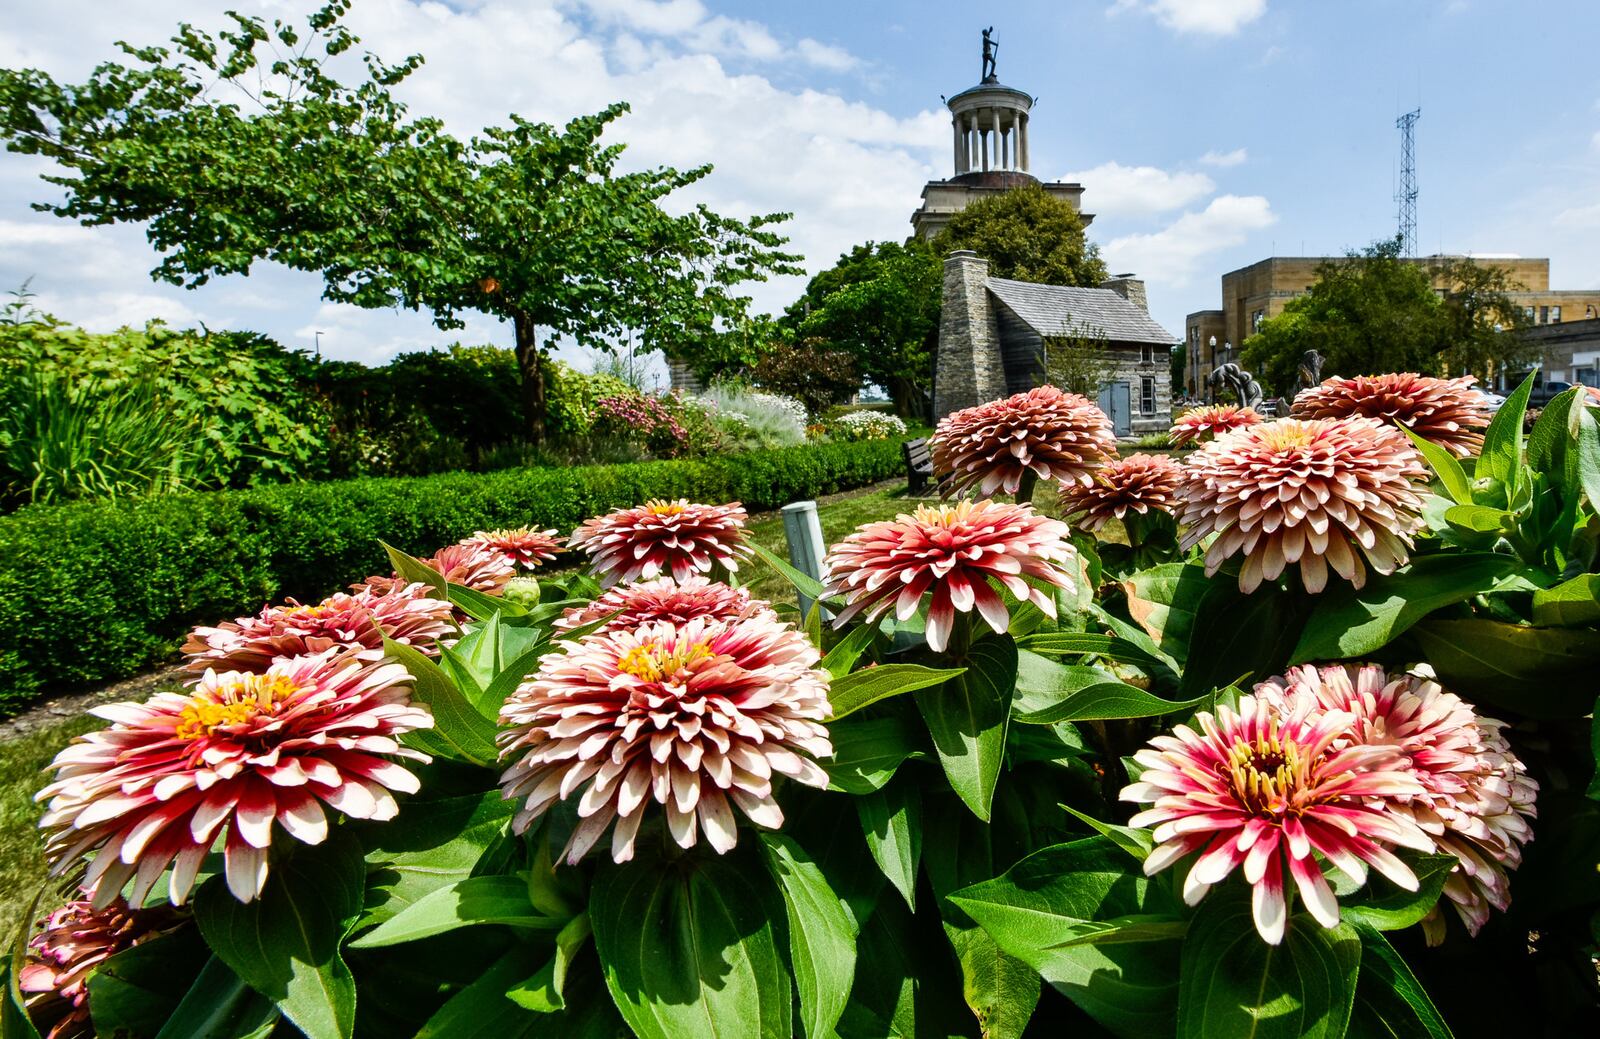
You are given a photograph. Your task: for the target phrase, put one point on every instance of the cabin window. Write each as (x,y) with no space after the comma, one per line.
(1147,395)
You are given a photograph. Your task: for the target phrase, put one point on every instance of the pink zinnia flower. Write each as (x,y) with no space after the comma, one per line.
(952,551)
(407,615)
(469,563)
(226,760)
(674,537)
(1053,434)
(1476,796)
(75,940)
(696,717)
(1137,483)
(1267,788)
(1449,412)
(665,600)
(523,546)
(1320,493)
(1202,424)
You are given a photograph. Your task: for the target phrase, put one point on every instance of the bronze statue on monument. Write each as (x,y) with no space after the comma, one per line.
(990,48)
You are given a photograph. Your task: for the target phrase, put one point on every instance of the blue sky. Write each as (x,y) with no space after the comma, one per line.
(1207,133)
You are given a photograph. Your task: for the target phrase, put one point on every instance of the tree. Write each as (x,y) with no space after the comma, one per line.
(817,375)
(1178,364)
(1027,234)
(525,222)
(1375,311)
(1077,363)
(879,304)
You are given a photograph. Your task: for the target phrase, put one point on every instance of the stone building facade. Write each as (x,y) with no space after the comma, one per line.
(1569,352)
(995,337)
(1251,295)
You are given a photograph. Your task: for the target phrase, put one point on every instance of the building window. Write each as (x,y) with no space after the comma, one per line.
(1147,395)
(1555,315)
(1256,319)
(1147,353)
(1527,312)
(1544,315)
(1586,376)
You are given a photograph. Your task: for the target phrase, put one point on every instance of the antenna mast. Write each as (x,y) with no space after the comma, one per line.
(1406,197)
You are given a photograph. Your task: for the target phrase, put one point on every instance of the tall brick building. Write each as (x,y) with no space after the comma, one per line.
(1252,294)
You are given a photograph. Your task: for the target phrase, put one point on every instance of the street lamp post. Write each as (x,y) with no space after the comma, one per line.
(1212,354)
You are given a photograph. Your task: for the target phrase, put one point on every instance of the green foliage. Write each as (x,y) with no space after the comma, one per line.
(880,304)
(130,580)
(812,371)
(1026,234)
(1077,364)
(1374,311)
(754,418)
(525,222)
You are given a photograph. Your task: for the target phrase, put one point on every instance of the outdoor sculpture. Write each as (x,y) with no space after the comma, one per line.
(990,48)
(1242,383)
(1310,373)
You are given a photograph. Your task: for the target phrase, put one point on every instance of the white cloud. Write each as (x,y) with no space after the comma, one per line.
(849,170)
(1224,159)
(1580,216)
(1173,254)
(1203,17)
(1114,190)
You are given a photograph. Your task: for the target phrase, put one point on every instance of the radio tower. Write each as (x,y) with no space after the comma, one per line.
(1407,195)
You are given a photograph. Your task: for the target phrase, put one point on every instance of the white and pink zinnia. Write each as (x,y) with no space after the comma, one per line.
(1268,788)
(698,718)
(630,605)
(235,758)
(680,538)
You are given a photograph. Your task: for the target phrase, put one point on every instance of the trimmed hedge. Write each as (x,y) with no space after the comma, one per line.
(94,592)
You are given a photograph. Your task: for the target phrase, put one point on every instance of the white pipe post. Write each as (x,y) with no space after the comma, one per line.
(803,532)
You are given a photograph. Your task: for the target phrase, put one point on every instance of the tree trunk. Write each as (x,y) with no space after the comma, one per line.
(528,361)
(909,399)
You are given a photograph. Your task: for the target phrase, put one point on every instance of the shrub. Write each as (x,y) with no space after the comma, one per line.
(91,592)
(810,371)
(770,419)
(866,425)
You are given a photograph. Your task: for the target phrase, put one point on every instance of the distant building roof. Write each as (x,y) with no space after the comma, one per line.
(1057,310)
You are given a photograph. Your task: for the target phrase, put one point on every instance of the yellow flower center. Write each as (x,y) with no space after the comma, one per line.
(312,611)
(663,508)
(943,515)
(1282,436)
(234,704)
(1268,774)
(656,662)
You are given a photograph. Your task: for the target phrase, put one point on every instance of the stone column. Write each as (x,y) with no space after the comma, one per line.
(1007,150)
(983,146)
(999,147)
(955,137)
(968,370)
(1022,141)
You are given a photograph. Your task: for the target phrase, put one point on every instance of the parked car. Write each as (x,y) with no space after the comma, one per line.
(1545,392)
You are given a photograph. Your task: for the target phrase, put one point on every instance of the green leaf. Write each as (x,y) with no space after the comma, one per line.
(465,903)
(1479,519)
(1073,643)
(483,1007)
(891,819)
(459,731)
(430,844)
(1240,636)
(544,992)
(1568,604)
(867,753)
(805,584)
(869,685)
(1500,461)
(1163,600)
(1388,907)
(1446,467)
(14,1019)
(1137,843)
(1044,900)
(1106,700)
(481,606)
(1347,623)
(968,716)
(1236,986)
(842,657)
(506,681)
(219,1005)
(1390,1001)
(822,936)
(413,570)
(1042,682)
(285,944)
(1535,672)
(688,949)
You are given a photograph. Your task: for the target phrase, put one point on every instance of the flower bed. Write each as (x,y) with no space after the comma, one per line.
(97,592)
(1310,755)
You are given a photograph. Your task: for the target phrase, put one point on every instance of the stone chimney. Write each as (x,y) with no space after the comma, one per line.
(1129,288)
(968,370)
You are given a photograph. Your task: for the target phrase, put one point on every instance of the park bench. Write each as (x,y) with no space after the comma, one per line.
(919,465)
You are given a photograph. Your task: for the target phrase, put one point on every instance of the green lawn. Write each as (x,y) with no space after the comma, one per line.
(22,866)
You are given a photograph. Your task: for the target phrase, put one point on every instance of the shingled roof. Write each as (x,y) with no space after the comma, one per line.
(1057,310)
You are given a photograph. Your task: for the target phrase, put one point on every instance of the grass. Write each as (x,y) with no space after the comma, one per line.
(22,760)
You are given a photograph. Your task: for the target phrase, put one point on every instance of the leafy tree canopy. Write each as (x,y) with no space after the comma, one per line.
(879,304)
(243,146)
(1026,234)
(1375,311)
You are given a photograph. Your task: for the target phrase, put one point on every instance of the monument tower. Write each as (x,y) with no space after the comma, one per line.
(991,133)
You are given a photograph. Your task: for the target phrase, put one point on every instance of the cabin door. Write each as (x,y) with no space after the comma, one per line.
(1116,400)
